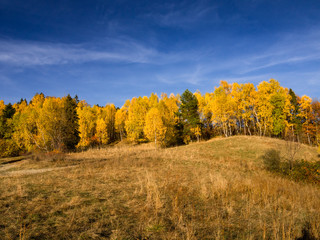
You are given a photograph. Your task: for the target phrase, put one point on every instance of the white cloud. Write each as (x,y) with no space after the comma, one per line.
(179,15)
(192,75)
(40,53)
(26,53)
(290,49)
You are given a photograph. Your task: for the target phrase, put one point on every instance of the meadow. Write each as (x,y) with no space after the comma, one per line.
(217,189)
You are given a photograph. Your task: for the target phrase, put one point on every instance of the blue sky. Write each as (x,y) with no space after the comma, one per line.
(110,51)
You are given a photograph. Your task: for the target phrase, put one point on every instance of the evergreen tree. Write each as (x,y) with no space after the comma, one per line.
(5,121)
(296,120)
(189,114)
(8,148)
(8,111)
(71,123)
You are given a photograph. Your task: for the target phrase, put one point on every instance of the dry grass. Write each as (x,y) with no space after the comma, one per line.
(212,190)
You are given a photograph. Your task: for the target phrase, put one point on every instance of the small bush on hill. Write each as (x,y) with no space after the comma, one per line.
(298,170)
(306,171)
(272,160)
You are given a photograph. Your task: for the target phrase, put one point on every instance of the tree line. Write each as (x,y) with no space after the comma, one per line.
(66,124)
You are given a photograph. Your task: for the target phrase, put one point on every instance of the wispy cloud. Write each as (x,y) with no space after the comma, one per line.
(195,66)
(290,49)
(193,75)
(25,53)
(181,15)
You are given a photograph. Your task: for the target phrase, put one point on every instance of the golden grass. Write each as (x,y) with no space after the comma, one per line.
(210,190)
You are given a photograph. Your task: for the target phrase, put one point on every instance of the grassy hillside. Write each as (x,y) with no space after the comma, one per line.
(211,190)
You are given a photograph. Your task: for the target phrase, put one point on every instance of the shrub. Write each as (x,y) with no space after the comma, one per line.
(272,160)
(298,170)
(306,171)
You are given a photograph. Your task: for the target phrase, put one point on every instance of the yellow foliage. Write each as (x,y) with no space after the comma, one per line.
(2,106)
(101,131)
(154,128)
(120,119)
(87,121)
(136,118)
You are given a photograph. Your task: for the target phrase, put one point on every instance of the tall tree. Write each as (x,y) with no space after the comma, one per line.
(6,128)
(155,129)
(307,117)
(278,102)
(295,119)
(316,113)
(110,115)
(87,124)
(222,108)
(102,131)
(189,114)
(120,119)
(7,145)
(71,123)
(168,106)
(136,118)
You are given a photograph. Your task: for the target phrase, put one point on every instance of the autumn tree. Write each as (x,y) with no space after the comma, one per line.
(26,132)
(222,109)
(87,124)
(169,108)
(204,113)
(263,107)
(136,118)
(120,119)
(110,115)
(155,128)
(307,117)
(247,107)
(101,131)
(272,107)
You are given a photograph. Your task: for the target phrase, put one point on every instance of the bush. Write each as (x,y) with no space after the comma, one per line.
(272,160)
(306,171)
(298,170)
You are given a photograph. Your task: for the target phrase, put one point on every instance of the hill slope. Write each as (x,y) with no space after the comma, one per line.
(211,190)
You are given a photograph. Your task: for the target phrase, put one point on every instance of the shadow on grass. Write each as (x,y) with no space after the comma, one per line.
(306,233)
(12,160)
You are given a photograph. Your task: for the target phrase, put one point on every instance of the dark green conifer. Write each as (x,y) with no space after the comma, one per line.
(71,123)
(189,112)
(296,120)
